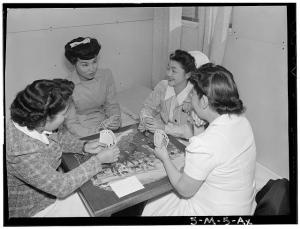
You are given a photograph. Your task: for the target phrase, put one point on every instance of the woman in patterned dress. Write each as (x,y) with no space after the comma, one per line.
(35,140)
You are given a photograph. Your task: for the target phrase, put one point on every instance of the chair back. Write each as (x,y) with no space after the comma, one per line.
(273,198)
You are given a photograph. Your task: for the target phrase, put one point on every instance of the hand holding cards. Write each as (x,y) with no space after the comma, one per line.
(144,115)
(161,142)
(160,139)
(113,122)
(107,138)
(198,122)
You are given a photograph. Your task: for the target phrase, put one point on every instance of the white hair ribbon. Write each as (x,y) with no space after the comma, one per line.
(85,41)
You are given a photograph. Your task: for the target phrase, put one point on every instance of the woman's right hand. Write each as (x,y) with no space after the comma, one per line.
(152,124)
(109,155)
(113,123)
(141,127)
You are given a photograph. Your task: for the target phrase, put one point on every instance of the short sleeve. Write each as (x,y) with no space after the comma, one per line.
(154,99)
(200,159)
(152,102)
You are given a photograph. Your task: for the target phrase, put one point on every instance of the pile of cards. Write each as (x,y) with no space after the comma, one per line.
(160,139)
(107,138)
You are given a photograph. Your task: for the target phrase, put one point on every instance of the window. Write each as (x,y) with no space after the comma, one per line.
(190,14)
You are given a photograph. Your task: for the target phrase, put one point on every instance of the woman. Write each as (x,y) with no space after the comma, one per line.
(168,106)
(35,141)
(95,106)
(219,173)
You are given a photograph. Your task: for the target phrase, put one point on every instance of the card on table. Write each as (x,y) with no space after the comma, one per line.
(126,186)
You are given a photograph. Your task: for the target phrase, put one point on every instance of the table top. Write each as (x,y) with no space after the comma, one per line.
(100,202)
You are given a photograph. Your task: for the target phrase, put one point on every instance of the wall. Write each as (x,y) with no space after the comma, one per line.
(256,54)
(36,38)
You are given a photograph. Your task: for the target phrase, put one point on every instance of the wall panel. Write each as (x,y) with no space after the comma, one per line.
(259,64)
(45,18)
(126,48)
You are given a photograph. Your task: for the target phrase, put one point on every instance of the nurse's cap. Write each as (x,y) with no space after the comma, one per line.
(200,58)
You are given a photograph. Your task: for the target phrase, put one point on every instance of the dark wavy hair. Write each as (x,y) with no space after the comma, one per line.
(217,83)
(186,60)
(40,100)
(85,51)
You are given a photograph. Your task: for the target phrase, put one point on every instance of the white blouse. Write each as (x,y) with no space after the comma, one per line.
(223,156)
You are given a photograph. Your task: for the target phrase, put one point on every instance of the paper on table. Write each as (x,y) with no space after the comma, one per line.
(126,186)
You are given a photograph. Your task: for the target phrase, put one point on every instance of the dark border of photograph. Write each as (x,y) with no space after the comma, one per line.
(188,220)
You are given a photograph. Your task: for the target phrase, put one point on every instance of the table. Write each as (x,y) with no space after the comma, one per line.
(104,203)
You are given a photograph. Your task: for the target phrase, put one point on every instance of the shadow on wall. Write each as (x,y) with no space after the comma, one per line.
(68,65)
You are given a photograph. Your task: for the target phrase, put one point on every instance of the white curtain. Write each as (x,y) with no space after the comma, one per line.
(160,44)
(166,39)
(212,35)
(213,30)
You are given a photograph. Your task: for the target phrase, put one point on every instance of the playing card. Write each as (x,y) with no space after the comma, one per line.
(107,137)
(197,120)
(160,138)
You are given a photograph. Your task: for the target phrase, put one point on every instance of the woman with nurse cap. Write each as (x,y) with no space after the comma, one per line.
(168,106)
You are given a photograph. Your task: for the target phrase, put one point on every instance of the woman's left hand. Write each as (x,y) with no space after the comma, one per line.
(161,153)
(93,147)
(141,127)
(112,122)
(152,124)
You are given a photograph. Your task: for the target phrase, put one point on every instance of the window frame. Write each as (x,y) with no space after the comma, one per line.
(192,19)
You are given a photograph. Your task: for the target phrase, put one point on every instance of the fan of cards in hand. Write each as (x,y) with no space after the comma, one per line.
(160,139)
(107,138)
(197,121)
(144,115)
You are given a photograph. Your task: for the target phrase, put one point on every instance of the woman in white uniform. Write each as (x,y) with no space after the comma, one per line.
(219,173)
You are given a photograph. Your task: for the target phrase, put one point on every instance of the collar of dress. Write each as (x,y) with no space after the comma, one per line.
(33,133)
(170,92)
